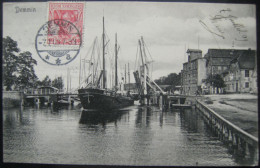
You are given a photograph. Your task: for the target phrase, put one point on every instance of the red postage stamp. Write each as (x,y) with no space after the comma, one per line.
(72,12)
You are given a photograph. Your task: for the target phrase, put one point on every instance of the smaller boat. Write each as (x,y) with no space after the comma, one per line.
(62,101)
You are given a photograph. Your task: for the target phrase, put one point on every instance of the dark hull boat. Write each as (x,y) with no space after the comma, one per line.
(95,98)
(102,100)
(94,118)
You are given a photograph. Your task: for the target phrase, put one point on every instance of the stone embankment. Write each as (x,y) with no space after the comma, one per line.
(11,99)
(239,109)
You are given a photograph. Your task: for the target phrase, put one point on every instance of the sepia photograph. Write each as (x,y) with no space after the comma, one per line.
(129,83)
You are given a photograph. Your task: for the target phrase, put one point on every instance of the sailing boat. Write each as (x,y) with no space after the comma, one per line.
(95,98)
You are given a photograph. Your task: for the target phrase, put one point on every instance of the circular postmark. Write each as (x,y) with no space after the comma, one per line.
(58,42)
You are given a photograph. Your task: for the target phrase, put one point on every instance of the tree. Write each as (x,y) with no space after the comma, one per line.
(25,68)
(172,79)
(45,82)
(58,83)
(9,62)
(18,70)
(216,81)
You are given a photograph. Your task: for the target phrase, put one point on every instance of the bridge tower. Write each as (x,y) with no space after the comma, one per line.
(148,90)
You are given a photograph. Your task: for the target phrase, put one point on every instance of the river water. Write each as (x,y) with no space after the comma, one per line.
(137,135)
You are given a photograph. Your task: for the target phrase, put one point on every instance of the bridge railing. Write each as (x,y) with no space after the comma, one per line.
(228,131)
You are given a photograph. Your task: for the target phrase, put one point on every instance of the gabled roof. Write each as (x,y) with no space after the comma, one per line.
(193,50)
(247,59)
(231,53)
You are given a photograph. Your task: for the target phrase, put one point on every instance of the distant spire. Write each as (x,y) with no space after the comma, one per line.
(198,41)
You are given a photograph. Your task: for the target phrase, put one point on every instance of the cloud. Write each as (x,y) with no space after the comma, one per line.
(168,30)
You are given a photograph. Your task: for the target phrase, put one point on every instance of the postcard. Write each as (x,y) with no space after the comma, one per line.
(130,83)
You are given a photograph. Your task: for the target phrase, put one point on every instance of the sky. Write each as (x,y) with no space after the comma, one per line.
(168,29)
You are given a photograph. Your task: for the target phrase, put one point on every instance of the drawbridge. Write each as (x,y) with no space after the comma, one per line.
(146,87)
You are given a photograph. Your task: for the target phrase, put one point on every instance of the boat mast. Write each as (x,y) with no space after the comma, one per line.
(79,70)
(104,65)
(67,80)
(143,70)
(145,57)
(116,82)
(125,73)
(128,78)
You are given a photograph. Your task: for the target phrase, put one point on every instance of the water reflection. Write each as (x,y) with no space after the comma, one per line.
(144,116)
(141,141)
(190,121)
(100,117)
(240,156)
(139,135)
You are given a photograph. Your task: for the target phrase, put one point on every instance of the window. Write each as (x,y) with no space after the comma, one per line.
(219,68)
(246,84)
(246,73)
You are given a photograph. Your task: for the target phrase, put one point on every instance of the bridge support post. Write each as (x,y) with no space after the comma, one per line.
(160,102)
(22,97)
(143,101)
(69,100)
(36,101)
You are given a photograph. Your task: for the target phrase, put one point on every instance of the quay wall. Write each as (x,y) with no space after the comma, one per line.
(243,142)
(12,98)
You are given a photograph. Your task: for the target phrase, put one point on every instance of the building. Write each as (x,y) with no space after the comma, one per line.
(218,60)
(194,71)
(241,77)
(42,90)
(254,84)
